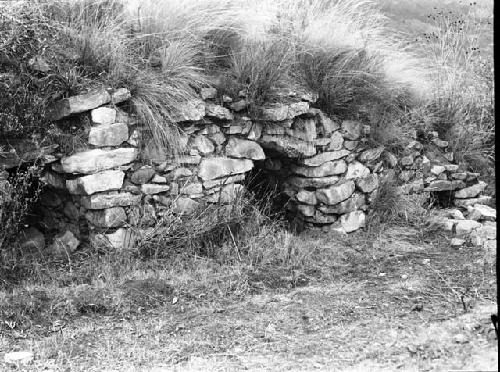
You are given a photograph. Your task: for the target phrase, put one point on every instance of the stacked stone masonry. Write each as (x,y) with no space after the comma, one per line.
(121,182)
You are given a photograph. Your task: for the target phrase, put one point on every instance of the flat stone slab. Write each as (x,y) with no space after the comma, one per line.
(355,202)
(324,157)
(239,148)
(227,194)
(472,191)
(280,112)
(444,185)
(78,104)
(98,182)
(103,201)
(108,134)
(335,194)
(317,182)
(290,146)
(329,168)
(217,167)
(93,161)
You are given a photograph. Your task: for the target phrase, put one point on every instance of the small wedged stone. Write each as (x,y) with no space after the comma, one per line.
(218,112)
(280,112)
(142,175)
(191,189)
(351,130)
(336,141)
(472,191)
(154,188)
(324,157)
(108,135)
(78,104)
(355,202)
(120,95)
(202,144)
(208,93)
(103,201)
(98,182)
(335,194)
(371,155)
(192,110)
(368,183)
(179,173)
(239,148)
(292,147)
(353,221)
(92,161)
(356,170)
(304,129)
(217,167)
(111,217)
(329,168)
(306,197)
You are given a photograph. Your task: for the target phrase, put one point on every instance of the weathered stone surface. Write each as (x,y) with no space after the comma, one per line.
(455,214)
(227,194)
(135,138)
(223,181)
(65,243)
(472,191)
(368,183)
(208,93)
(351,129)
(335,194)
(306,210)
(324,157)
(480,212)
(217,138)
(92,161)
(218,112)
(120,95)
(437,169)
(111,217)
(191,189)
(154,188)
(142,175)
(159,179)
(186,159)
(451,167)
(355,202)
(98,182)
(457,242)
(443,185)
(306,197)
(120,239)
(464,227)
(184,205)
(202,144)
(31,238)
(255,131)
(350,145)
(320,217)
(356,170)
(78,104)
(239,105)
(220,166)
(326,124)
(487,232)
(53,179)
(292,147)
(19,357)
(103,201)
(304,129)
(179,173)
(239,148)
(329,168)
(317,182)
(336,141)
(353,221)
(371,154)
(280,112)
(391,159)
(103,115)
(464,203)
(238,127)
(191,110)
(108,134)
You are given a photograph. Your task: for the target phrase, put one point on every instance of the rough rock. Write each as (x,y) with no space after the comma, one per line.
(464,203)
(304,129)
(444,185)
(120,95)
(437,169)
(351,129)
(227,194)
(280,112)
(108,135)
(335,194)
(465,227)
(324,157)
(142,175)
(179,173)
(154,188)
(223,181)
(92,161)
(184,205)
(255,131)
(202,144)
(487,232)
(217,167)
(218,112)
(306,210)
(457,242)
(111,217)
(391,159)
(103,115)
(368,183)
(459,176)
(336,141)
(65,243)
(78,104)
(120,239)
(98,182)
(239,105)
(103,201)
(350,145)
(191,110)
(329,168)
(71,211)
(455,214)
(192,189)
(32,238)
(371,154)
(480,212)
(318,182)
(353,221)
(239,148)
(292,147)
(306,197)
(356,170)
(208,93)
(326,124)
(472,191)
(407,160)
(53,179)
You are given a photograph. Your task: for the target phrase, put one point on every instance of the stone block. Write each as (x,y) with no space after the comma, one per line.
(371,155)
(223,181)
(202,144)
(78,104)
(355,202)
(289,146)
(111,217)
(306,197)
(351,130)
(472,191)
(192,110)
(335,194)
(324,157)
(329,168)
(98,182)
(108,134)
(154,188)
(103,115)
(356,170)
(239,148)
(142,175)
(218,112)
(93,161)
(368,183)
(352,221)
(317,182)
(280,112)
(103,201)
(217,167)
(227,194)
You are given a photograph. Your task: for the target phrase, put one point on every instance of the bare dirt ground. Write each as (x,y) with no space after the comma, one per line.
(385,303)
